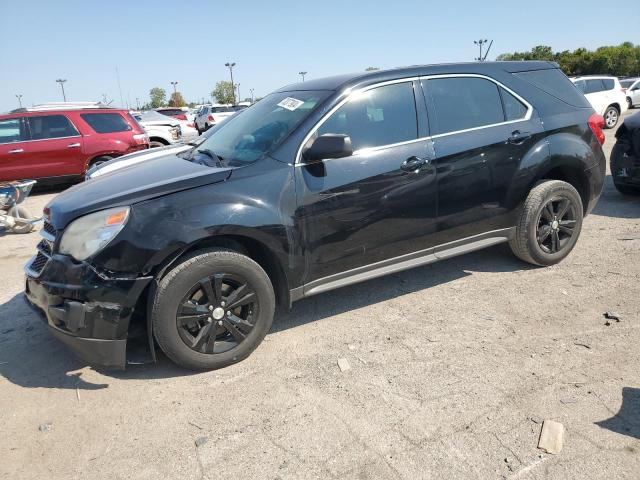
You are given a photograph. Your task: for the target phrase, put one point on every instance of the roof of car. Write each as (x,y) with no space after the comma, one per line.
(342,81)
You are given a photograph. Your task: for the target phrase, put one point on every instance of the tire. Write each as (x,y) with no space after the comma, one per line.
(155,143)
(21,212)
(536,216)
(611,117)
(183,315)
(626,189)
(206,127)
(629,103)
(99,160)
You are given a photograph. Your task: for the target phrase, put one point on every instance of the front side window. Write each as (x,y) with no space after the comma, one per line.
(255,132)
(51,126)
(461,103)
(11,131)
(106,122)
(380,116)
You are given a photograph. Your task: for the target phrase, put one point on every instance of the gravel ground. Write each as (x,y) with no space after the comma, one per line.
(453,367)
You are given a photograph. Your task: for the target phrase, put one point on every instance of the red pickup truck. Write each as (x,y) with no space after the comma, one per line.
(60,142)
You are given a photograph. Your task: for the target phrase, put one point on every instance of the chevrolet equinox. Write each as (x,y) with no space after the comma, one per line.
(318,185)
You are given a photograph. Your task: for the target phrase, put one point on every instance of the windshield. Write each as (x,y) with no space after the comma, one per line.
(626,83)
(263,126)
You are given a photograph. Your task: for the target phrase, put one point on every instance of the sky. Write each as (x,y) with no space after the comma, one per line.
(152,43)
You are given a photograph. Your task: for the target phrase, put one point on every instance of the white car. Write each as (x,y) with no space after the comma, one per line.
(210,115)
(162,130)
(631,87)
(605,96)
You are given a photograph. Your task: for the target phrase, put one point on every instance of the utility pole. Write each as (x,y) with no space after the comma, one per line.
(230,66)
(61,82)
(252,97)
(302,74)
(19,97)
(480,43)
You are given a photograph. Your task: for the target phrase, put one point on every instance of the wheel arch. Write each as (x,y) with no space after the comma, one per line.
(574,176)
(154,138)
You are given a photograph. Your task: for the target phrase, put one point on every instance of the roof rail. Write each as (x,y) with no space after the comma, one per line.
(43,107)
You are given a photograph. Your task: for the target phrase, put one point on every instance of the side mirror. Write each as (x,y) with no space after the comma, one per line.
(329,145)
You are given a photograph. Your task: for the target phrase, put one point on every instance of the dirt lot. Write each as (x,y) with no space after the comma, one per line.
(453,366)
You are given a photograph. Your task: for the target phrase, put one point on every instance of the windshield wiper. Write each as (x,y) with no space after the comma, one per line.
(212,155)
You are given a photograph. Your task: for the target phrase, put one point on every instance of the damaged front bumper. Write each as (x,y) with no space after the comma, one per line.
(625,166)
(88,311)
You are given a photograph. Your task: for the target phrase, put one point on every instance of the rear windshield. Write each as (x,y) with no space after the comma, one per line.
(222,109)
(106,122)
(556,84)
(626,83)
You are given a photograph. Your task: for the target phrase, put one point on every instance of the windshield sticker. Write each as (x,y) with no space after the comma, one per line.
(290,103)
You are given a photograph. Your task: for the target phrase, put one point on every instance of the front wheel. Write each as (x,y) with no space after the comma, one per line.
(550,223)
(212,310)
(611,116)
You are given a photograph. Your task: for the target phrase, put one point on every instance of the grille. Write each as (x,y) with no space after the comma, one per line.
(49,228)
(38,263)
(44,247)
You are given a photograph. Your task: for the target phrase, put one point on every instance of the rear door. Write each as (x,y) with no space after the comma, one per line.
(13,142)
(481,132)
(369,207)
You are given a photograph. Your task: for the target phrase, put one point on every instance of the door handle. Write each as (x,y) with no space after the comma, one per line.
(517,137)
(73,145)
(17,150)
(414,163)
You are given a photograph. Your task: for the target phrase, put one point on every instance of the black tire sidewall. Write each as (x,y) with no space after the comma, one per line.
(540,256)
(171,293)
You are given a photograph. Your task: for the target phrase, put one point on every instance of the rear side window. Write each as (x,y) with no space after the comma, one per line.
(609,83)
(51,126)
(11,131)
(514,109)
(380,116)
(556,84)
(106,122)
(463,103)
(593,86)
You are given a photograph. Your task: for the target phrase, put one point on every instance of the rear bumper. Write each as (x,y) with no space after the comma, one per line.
(625,167)
(87,312)
(595,176)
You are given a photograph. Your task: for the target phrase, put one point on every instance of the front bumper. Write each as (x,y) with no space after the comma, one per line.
(88,311)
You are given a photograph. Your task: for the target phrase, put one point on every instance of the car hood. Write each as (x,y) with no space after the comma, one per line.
(130,185)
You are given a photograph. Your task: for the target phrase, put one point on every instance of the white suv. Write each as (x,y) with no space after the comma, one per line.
(210,115)
(605,95)
(631,86)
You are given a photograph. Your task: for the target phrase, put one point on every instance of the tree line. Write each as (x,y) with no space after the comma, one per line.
(619,60)
(223,93)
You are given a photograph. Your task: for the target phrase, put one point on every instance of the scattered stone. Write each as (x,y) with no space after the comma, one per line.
(588,347)
(201,441)
(45,427)
(343,364)
(565,293)
(607,323)
(536,419)
(351,347)
(612,316)
(551,437)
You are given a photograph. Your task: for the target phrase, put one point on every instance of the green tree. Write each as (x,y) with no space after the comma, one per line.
(158,97)
(176,100)
(224,92)
(371,69)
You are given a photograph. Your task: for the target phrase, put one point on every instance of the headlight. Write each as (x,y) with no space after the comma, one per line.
(90,234)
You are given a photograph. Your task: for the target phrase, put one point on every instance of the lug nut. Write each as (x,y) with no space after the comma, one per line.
(219,322)
(210,307)
(229,312)
(222,303)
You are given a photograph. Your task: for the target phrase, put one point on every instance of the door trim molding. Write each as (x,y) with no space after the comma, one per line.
(403,262)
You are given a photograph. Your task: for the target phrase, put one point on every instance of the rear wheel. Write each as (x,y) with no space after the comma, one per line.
(213,309)
(611,116)
(155,143)
(99,161)
(629,103)
(549,225)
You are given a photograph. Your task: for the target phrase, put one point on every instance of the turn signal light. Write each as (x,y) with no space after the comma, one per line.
(596,124)
(117,218)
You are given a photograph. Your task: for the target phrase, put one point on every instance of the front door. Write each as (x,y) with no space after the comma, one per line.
(378,203)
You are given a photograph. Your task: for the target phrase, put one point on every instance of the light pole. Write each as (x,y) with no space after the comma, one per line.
(252,97)
(174,86)
(19,97)
(137,103)
(230,66)
(302,74)
(239,97)
(480,43)
(61,82)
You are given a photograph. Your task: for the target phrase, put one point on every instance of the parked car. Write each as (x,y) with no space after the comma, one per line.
(173,112)
(59,142)
(319,185)
(210,115)
(631,87)
(161,129)
(625,157)
(605,96)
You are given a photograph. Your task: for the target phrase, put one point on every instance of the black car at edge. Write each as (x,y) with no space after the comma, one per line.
(625,157)
(318,185)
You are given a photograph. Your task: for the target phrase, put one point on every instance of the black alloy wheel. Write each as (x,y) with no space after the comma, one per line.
(556,225)
(217,313)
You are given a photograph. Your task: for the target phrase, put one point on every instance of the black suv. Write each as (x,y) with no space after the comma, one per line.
(318,185)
